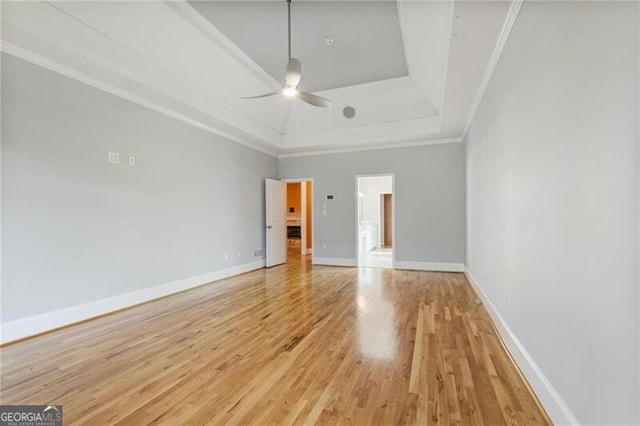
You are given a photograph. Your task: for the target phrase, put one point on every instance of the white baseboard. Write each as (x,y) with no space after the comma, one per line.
(337,261)
(549,397)
(25,327)
(429,266)
(418,266)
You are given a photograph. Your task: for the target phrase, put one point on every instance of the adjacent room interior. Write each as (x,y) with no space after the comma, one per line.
(375,221)
(299,210)
(320,212)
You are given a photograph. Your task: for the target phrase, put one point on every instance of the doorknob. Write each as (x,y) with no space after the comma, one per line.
(269,226)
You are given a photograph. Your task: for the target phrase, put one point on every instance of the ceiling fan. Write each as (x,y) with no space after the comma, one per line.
(292,77)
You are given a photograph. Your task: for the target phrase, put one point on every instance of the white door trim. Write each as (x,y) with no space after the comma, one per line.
(303,218)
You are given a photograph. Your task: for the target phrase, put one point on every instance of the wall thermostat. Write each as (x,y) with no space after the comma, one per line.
(330,197)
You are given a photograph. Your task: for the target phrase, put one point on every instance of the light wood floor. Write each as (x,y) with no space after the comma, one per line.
(287,345)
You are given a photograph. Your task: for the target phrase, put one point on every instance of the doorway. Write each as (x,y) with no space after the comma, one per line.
(375,221)
(299,218)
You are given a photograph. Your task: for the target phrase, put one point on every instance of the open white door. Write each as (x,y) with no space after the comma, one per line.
(275,193)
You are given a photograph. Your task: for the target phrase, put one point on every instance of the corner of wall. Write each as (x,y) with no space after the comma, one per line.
(1,6)
(465,147)
(548,396)
(638,207)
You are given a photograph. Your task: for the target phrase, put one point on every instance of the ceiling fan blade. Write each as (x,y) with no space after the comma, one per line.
(277,92)
(314,100)
(292,74)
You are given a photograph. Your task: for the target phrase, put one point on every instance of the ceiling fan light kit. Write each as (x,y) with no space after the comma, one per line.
(290,91)
(293,75)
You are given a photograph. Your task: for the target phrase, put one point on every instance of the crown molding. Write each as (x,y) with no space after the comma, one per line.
(413,65)
(446,61)
(373,134)
(73,74)
(233,114)
(390,145)
(404,113)
(188,13)
(510,20)
(35,35)
(334,132)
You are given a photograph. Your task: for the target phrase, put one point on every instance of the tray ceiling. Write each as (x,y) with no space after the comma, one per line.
(413,70)
(367,38)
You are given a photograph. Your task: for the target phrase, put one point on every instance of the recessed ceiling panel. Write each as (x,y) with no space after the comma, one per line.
(366,39)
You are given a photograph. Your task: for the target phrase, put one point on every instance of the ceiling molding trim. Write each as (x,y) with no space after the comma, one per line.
(58,68)
(214,98)
(443,94)
(403,35)
(434,117)
(371,147)
(188,13)
(438,112)
(510,20)
(438,103)
(365,85)
(374,134)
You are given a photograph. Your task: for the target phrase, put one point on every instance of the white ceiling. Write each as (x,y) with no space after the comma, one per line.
(368,43)
(169,57)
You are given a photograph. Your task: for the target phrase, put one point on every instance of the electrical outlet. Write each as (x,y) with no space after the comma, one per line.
(324,244)
(239,254)
(226,256)
(257,253)
(132,161)
(113,157)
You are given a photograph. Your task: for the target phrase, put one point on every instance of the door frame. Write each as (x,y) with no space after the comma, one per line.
(393,215)
(303,223)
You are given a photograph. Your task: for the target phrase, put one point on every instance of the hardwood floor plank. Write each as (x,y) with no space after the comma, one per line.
(293,344)
(417,353)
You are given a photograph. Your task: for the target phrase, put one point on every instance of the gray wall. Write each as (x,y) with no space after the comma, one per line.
(553,200)
(429,199)
(76,228)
